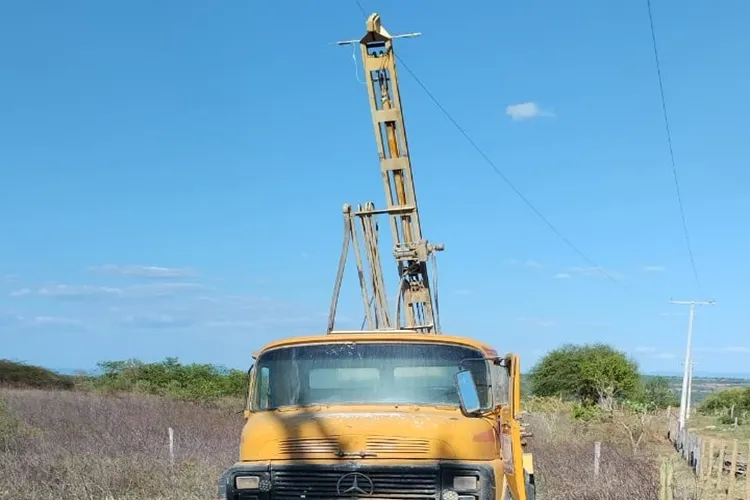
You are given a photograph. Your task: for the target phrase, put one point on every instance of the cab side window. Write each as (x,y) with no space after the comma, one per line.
(501,385)
(264,388)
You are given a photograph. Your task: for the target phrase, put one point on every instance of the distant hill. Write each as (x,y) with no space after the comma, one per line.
(21,375)
(702,386)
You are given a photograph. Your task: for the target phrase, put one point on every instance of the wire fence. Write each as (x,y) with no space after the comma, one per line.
(718,464)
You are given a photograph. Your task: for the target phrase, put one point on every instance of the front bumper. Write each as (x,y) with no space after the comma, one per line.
(305,481)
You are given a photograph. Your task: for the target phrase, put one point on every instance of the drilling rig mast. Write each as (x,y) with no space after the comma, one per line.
(411,251)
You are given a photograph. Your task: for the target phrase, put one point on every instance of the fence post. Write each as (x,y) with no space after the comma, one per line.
(747,475)
(733,468)
(670,480)
(720,471)
(170,431)
(663,480)
(698,454)
(597,457)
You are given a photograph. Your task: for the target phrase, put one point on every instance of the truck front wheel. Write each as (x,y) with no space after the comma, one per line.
(529,486)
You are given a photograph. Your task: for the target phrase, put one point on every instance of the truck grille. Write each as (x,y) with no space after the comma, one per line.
(321,483)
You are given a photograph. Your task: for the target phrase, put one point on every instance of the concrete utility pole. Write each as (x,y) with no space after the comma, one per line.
(688,364)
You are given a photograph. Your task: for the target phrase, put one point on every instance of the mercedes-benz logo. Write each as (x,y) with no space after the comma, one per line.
(355,483)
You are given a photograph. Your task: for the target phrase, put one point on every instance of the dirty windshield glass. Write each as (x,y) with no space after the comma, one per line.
(374,373)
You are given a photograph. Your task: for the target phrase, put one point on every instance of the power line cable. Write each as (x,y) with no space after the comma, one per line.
(497,171)
(671,150)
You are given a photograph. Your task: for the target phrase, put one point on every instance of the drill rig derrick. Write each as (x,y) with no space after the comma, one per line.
(411,251)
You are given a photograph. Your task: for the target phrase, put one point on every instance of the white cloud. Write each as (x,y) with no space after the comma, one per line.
(530,263)
(664,355)
(7,318)
(735,349)
(654,353)
(597,272)
(592,324)
(526,111)
(153,321)
(55,320)
(671,314)
(91,292)
(163,289)
(562,276)
(76,291)
(544,323)
(230,323)
(173,305)
(143,271)
(654,269)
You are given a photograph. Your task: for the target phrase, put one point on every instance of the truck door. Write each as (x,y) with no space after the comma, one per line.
(510,426)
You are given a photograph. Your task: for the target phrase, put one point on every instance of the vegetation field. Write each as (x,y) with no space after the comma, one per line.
(105,437)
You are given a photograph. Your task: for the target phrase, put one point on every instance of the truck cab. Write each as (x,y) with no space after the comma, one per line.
(381,415)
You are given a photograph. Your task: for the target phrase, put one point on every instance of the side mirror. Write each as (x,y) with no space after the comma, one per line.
(246,410)
(467,392)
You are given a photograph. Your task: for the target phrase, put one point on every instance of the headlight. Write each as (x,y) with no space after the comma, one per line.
(247,482)
(464,483)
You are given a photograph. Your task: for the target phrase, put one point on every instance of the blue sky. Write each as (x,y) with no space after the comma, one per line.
(173,174)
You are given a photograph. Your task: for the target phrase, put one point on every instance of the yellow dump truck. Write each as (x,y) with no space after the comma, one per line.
(398,410)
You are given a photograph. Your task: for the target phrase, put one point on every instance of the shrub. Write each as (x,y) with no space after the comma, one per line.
(728,419)
(194,382)
(723,401)
(584,412)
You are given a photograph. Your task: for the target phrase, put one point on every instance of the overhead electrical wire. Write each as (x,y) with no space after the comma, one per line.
(497,170)
(671,150)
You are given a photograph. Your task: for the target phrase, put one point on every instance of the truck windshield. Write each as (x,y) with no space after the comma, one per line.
(366,373)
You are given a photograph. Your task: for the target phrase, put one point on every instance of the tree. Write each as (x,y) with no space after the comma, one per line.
(591,373)
(656,392)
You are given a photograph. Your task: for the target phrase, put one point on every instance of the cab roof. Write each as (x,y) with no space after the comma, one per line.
(378,336)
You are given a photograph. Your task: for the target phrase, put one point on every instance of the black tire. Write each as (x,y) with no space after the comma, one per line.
(530,486)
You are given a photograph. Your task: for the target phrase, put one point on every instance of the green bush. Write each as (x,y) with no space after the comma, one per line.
(727,419)
(584,412)
(657,393)
(195,382)
(591,374)
(723,401)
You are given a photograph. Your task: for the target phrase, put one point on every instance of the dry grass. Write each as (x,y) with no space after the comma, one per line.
(83,446)
(710,426)
(564,458)
(80,446)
